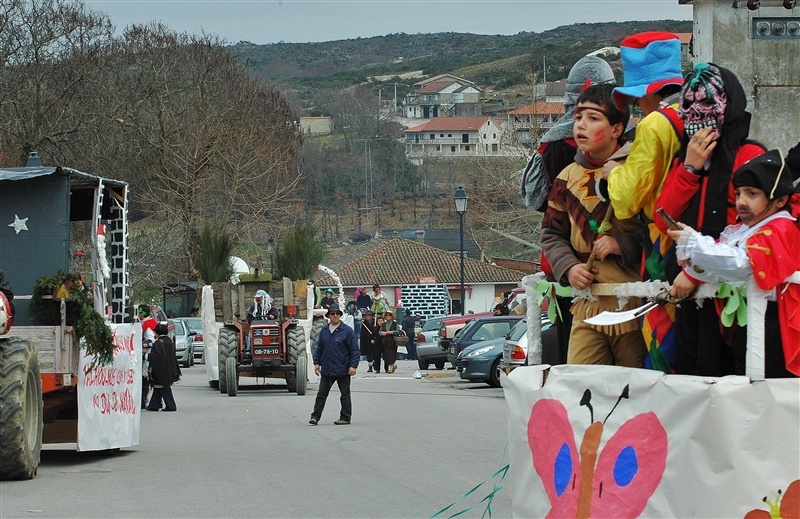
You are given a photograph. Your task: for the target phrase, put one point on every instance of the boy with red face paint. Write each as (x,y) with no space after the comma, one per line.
(569,235)
(765,246)
(699,192)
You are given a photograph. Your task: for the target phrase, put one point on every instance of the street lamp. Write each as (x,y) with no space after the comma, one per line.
(461,199)
(271,250)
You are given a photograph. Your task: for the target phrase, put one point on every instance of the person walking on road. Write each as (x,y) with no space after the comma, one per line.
(164,370)
(408,325)
(388,332)
(336,358)
(367,338)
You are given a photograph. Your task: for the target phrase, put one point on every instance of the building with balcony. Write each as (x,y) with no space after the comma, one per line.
(444,95)
(457,137)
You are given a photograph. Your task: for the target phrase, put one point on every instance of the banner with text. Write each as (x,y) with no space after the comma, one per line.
(606,441)
(109,396)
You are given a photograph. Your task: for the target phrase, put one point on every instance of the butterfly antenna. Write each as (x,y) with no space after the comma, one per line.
(621,396)
(586,400)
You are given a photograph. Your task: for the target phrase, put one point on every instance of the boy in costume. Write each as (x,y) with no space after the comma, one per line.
(765,245)
(569,235)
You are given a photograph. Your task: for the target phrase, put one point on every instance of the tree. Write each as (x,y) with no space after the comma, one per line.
(212,253)
(300,253)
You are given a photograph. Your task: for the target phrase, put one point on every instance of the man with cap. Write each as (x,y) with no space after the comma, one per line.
(336,358)
(328,300)
(766,246)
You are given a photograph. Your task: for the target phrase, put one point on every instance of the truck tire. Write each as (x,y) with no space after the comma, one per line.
(423,364)
(228,343)
(232,381)
(316,329)
(296,348)
(21,410)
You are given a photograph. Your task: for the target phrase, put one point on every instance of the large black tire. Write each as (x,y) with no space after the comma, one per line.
(316,329)
(296,380)
(494,373)
(21,409)
(439,364)
(302,377)
(423,364)
(227,347)
(232,381)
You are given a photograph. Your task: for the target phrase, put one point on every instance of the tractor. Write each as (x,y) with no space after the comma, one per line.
(277,350)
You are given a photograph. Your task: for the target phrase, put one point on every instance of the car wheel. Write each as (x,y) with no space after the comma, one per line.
(423,364)
(494,374)
(439,364)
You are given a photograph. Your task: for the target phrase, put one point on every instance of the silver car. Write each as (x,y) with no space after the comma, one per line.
(195,325)
(183,343)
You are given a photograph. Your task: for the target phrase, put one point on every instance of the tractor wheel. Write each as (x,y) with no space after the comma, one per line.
(233,379)
(296,349)
(21,410)
(228,344)
(316,329)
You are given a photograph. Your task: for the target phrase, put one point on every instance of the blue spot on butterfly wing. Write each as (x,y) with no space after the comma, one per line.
(562,469)
(626,466)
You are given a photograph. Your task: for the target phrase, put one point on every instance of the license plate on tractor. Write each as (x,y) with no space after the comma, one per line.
(268,351)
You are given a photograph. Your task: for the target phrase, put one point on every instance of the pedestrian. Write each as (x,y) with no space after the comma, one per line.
(148,336)
(388,332)
(367,338)
(408,324)
(699,192)
(328,300)
(379,302)
(336,359)
(362,299)
(377,345)
(164,370)
(766,243)
(569,237)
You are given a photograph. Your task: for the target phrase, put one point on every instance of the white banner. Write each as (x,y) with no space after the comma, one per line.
(606,441)
(109,397)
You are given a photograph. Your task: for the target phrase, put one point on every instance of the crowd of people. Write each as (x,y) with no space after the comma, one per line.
(691,157)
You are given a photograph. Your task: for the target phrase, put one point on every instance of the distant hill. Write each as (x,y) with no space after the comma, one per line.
(494,62)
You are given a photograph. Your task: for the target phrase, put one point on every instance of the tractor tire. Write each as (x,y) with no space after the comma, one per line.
(316,329)
(233,379)
(21,410)
(228,344)
(296,380)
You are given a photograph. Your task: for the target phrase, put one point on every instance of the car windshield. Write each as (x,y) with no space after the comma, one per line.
(195,325)
(432,324)
(518,330)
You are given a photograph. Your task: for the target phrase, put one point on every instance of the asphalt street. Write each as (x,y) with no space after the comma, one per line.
(414,447)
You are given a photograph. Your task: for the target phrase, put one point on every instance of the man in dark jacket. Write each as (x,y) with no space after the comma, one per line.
(164,370)
(335,359)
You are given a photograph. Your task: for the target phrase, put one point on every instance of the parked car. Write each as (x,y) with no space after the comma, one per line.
(183,343)
(428,351)
(514,300)
(515,349)
(480,329)
(195,324)
(480,362)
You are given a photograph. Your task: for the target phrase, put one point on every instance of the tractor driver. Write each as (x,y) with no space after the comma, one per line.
(262,309)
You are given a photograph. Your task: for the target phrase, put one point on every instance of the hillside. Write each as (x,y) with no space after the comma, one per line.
(492,61)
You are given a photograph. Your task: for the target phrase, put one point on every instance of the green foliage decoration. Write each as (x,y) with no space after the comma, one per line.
(89,325)
(299,253)
(212,253)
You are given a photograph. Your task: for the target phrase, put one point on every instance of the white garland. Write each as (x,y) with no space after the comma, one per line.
(101,256)
(338,281)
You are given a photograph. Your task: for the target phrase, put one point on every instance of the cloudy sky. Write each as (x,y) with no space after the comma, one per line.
(298,21)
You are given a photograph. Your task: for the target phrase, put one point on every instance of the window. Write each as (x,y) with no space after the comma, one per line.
(441,135)
(449,134)
(494,148)
(494,136)
(438,147)
(453,149)
(465,138)
(466,148)
(433,136)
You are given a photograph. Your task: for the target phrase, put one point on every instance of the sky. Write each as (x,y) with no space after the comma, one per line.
(301,21)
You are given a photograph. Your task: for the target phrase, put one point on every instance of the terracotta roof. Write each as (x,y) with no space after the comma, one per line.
(432,88)
(441,124)
(539,107)
(685,37)
(443,76)
(400,262)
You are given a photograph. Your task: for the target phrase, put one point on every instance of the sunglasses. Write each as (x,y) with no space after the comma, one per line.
(334,313)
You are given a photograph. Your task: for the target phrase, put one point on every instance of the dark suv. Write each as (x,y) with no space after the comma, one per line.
(481,329)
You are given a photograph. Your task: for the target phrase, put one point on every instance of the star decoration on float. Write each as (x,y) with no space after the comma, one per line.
(19,224)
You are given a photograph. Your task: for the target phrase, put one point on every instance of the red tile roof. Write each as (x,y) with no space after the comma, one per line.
(399,262)
(440,124)
(539,107)
(432,88)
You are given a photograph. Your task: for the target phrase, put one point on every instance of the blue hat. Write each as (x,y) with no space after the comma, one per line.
(650,61)
(333,308)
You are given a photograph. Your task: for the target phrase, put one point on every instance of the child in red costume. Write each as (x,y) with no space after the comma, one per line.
(766,245)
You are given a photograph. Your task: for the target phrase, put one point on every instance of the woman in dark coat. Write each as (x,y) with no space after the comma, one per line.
(164,370)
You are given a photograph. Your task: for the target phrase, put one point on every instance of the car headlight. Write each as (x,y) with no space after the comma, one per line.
(479,351)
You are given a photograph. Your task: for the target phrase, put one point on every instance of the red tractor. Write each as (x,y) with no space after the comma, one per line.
(278,350)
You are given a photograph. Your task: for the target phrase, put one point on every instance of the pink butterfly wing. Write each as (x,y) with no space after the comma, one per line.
(629,468)
(555,457)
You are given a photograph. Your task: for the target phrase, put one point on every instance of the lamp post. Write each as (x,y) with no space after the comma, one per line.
(461,199)
(271,250)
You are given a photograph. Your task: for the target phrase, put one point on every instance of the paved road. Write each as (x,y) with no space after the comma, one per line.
(414,447)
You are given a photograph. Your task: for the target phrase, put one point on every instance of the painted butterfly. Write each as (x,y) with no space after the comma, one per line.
(785,506)
(618,484)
